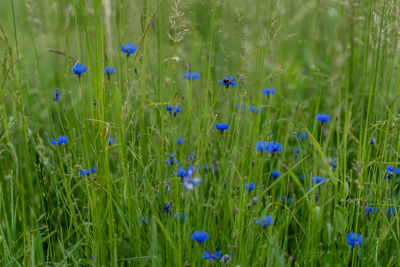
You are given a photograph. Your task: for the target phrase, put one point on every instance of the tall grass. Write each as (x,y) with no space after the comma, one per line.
(326,56)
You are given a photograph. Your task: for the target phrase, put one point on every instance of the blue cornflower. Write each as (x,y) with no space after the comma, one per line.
(268,92)
(265,222)
(93,169)
(298,149)
(200,236)
(166,208)
(189,75)
(128,49)
(288,200)
(318,179)
(181,172)
(192,157)
(180,216)
(323,118)
(333,164)
(391,211)
(175,108)
(60,140)
(144,220)
(253,109)
(110,140)
(369,210)
(354,239)
(228,81)
(390,170)
(222,127)
(108,71)
(171,159)
(373,140)
(303,136)
(180,140)
(189,183)
(273,147)
(212,256)
(79,69)
(240,107)
(83,173)
(275,174)
(57,94)
(249,186)
(259,146)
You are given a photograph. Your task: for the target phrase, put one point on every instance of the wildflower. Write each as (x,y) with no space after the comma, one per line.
(288,200)
(303,136)
(171,159)
(265,222)
(57,94)
(222,127)
(189,75)
(391,211)
(200,236)
(83,173)
(175,108)
(323,118)
(273,147)
(240,107)
(180,216)
(373,140)
(110,140)
(259,146)
(212,256)
(249,186)
(390,170)
(301,177)
(333,164)
(275,174)
(253,109)
(166,208)
(369,210)
(319,179)
(298,149)
(144,220)
(109,71)
(354,239)
(93,169)
(189,183)
(228,81)
(128,49)
(268,92)
(60,140)
(79,69)
(180,140)
(192,157)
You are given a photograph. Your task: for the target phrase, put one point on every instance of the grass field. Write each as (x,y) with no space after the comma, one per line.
(123,166)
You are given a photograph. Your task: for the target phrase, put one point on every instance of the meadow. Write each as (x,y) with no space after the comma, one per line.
(199,133)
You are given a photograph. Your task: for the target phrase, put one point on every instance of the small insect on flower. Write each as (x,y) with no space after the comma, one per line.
(222,127)
(275,174)
(212,256)
(175,108)
(110,140)
(60,140)
(180,140)
(79,69)
(318,179)
(109,71)
(354,239)
(323,118)
(249,186)
(189,75)
(128,49)
(265,222)
(228,81)
(56,95)
(268,92)
(200,236)
(180,216)
(369,210)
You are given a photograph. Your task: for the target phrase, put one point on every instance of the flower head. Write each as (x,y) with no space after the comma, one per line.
(354,239)
(166,208)
(212,256)
(268,92)
(373,140)
(189,75)
(110,140)
(228,81)
(303,136)
(288,200)
(200,236)
(369,210)
(222,127)
(60,140)
(391,170)
(323,118)
(93,169)
(391,211)
(56,95)
(180,140)
(254,109)
(180,216)
(259,146)
(144,220)
(249,186)
(175,108)
(265,222)
(108,71)
(273,147)
(318,179)
(79,69)
(275,174)
(128,49)
(171,159)
(83,173)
